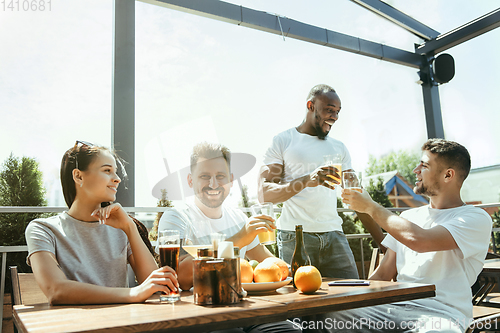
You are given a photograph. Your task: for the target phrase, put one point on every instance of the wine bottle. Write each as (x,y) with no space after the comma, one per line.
(300,257)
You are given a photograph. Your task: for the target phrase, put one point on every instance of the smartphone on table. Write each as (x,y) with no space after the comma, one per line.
(349,283)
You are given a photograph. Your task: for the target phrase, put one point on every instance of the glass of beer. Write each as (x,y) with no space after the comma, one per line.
(267,208)
(351,181)
(334,160)
(169,245)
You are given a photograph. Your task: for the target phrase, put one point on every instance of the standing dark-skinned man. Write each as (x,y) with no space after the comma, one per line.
(294,174)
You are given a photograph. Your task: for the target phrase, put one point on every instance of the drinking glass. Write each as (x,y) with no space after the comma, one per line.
(351,181)
(334,160)
(267,208)
(169,245)
(191,242)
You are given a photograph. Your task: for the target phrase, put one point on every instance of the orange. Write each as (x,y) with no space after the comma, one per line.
(267,272)
(307,279)
(246,271)
(281,264)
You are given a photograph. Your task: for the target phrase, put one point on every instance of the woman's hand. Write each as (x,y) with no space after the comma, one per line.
(163,279)
(113,215)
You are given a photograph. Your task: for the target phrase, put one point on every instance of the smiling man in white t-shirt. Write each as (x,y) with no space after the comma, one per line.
(211,180)
(443,243)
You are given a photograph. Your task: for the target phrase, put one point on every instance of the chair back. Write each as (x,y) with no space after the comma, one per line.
(486,319)
(16,290)
(377,256)
(25,289)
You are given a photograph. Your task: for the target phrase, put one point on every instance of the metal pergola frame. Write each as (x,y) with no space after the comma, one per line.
(123,95)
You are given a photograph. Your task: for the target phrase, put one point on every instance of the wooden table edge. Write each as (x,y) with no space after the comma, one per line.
(17,321)
(359,304)
(280,313)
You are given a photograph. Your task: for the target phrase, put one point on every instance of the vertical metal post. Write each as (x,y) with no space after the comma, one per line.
(432,105)
(2,286)
(123,94)
(493,243)
(362,258)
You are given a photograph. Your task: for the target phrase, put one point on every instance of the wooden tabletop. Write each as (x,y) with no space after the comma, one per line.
(185,316)
(334,298)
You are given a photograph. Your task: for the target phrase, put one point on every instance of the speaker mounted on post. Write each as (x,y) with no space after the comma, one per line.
(443,68)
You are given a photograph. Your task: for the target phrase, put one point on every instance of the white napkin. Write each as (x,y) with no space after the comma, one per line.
(225,250)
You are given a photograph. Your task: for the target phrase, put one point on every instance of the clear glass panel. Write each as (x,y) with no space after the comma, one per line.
(200,79)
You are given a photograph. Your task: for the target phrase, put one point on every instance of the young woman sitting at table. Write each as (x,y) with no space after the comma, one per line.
(80,256)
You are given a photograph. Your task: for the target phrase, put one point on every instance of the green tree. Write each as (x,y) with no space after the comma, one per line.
(377,192)
(21,184)
(496,236)
(403,161)
(352,225)
(163,202)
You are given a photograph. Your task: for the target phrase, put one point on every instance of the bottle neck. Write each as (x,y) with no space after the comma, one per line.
(298,237)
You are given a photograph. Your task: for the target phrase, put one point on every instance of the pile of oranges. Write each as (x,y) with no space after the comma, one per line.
(269,270)
(307,278)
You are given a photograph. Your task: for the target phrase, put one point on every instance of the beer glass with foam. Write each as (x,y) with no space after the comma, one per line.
(169,245)
(351,181)
(334,160)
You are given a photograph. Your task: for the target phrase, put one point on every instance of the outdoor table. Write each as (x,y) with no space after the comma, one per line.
(185,316)
(488,279)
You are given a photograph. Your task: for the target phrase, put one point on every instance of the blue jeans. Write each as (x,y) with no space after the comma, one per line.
(329,252)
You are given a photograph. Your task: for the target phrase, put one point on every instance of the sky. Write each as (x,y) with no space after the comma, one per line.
(200,79)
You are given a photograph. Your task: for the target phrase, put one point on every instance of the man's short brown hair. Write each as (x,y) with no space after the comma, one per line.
(209,151)
(451,155)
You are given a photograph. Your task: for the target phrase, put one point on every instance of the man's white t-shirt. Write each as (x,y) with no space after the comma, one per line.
(300,154)
(453,272)
(191,220)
